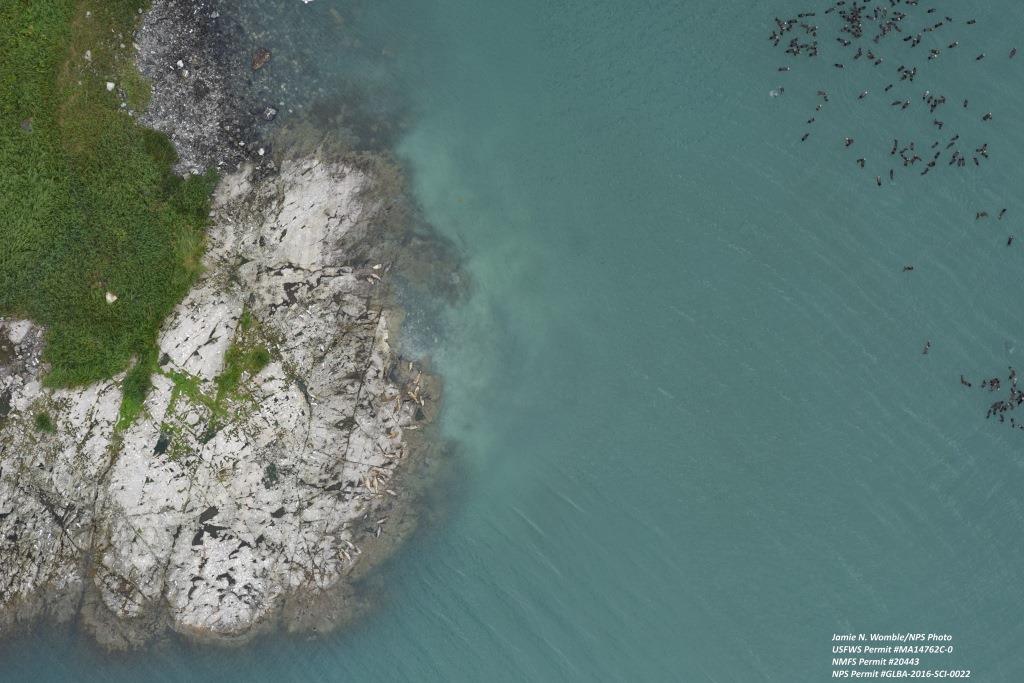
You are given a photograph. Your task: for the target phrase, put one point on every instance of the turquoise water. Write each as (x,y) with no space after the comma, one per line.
(695,431)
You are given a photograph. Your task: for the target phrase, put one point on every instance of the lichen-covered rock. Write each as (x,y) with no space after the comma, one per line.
(263,457)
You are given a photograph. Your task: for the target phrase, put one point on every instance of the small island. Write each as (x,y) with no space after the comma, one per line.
(204,421)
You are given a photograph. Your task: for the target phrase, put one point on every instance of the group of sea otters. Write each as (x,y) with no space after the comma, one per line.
(1000,407)
(863,29)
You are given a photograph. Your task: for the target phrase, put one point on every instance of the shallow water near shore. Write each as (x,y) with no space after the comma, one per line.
(696,434)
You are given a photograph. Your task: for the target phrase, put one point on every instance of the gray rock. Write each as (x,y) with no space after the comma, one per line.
(171,522)
(198,111)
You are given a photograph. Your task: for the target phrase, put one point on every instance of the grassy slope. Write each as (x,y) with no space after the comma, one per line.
(88,203)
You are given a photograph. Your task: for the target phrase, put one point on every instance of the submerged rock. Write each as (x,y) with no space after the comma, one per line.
(260,58)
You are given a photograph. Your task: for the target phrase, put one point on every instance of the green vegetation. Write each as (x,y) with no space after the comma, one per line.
(245,321)
(135,387)
(190,387)
(238,360)
(246,354)
(44,423)
(88,203)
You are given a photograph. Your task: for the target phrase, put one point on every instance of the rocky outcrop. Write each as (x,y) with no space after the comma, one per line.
(261,475)
(262,463)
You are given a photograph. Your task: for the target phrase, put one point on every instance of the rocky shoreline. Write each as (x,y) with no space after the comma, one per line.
(260,479)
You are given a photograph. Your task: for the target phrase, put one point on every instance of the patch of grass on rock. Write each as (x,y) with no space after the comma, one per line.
(88,202)
(44,423)
(239,360)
